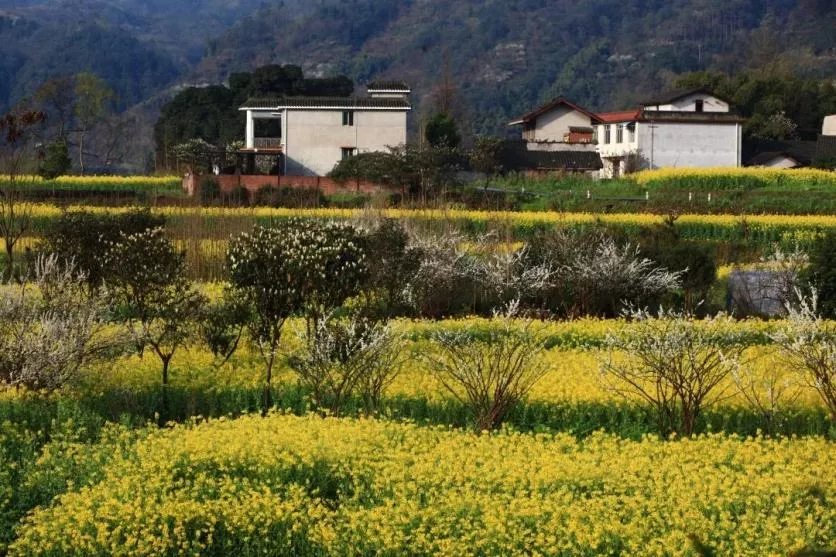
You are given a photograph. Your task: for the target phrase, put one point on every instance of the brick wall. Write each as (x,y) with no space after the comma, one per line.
(228,182)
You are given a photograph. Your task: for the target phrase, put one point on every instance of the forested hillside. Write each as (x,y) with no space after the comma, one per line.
(491,59)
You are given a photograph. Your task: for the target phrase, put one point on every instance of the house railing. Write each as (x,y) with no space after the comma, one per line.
(268,142)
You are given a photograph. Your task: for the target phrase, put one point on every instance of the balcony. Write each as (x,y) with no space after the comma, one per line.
(267,143)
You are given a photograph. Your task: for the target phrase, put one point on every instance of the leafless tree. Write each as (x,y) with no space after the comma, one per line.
(673,362)
(490,375)
(768,391)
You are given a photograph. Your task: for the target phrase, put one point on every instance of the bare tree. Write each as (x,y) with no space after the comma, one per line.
(768,391)
(808,344)
(490,375)
(673,362)
(93,100)
(767,288)
(16,134)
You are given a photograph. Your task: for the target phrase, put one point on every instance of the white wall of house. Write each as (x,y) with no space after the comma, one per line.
(555,124)
(314,139)
(689,104)
(689,144)
(829,125)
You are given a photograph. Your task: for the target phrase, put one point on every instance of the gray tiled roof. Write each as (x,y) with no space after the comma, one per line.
(688,116)
(516,156)
(330,103)
(388,85)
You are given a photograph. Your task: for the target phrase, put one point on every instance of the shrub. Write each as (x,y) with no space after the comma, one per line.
(344,355)
(56,161)
(266,196)
(493,373)
(237,197)
(808,344)
(674,363)
(82,237)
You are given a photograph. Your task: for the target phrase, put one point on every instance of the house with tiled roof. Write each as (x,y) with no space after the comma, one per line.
(316,133)
(557,136)
(682,129)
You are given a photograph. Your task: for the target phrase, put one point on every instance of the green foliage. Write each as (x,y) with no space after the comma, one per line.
(394,263)
(82,237)
(443,131)
(56,161)
(210,114)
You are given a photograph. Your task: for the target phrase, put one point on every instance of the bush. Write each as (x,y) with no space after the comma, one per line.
(394,264)
(82,237)
(210,191)
(675,364)
(56,161)
(491,376)
(266,196)
(341,356)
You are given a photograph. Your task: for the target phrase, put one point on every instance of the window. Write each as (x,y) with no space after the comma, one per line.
(631,132)
(595,134)
(699,105)
(348,152)
(619,133)
(348,118)
(607,134)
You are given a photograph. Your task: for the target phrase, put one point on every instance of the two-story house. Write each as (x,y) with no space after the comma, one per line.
(315,133)
(684,129)
(556,137)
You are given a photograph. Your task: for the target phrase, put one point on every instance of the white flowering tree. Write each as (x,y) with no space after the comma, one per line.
(295,267)
(808,346)
(345,356)
(50,327)
(490,373)
(675,363)
(149,290)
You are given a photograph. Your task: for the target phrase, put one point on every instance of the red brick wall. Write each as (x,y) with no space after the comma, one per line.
(228,182)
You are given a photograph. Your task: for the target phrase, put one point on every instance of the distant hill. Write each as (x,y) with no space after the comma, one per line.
(501,56)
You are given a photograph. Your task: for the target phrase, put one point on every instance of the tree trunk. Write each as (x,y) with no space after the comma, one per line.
(267,398)
(164,410)
(81,152)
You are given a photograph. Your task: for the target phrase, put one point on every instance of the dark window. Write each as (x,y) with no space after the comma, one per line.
(348,118)
(619,134)
(348,152)
(699,105)
(607,134)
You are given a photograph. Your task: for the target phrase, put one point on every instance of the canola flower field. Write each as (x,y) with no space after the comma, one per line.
(286,485)
(744,178)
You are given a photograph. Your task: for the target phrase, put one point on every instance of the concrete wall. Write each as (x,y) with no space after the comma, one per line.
(555,124)
(614,149)
(315,138)
(686,145)
(688,104)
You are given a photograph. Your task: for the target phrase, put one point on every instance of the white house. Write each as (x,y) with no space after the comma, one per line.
(315,133)
(686,129)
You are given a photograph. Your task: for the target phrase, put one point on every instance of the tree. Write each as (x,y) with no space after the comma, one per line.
(57,98)
(486,157)
(149,291)
(56,161)
(820,274)
(17,130)
(294,267)
(82,237)
(490,373)
(51,327)
(808,345)
(94,100)
(675,363)
(442,130)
